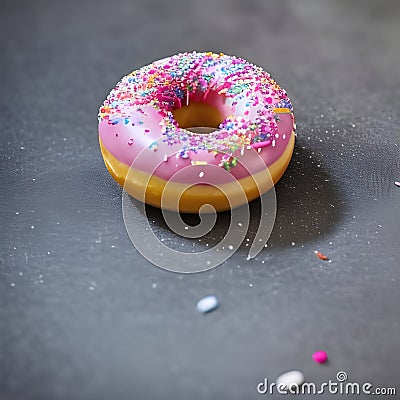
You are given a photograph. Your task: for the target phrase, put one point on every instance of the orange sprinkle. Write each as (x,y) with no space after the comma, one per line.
(322,256)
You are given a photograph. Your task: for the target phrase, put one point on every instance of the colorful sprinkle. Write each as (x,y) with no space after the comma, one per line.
(199,163)
(320,357)
(207,304)
(153,146)
(321,256)
(286,380)
(258,145)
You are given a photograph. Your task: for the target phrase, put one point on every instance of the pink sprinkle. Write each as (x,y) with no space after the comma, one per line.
(320,357)
(258,145)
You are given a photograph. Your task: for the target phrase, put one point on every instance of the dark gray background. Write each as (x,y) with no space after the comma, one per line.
(84,316)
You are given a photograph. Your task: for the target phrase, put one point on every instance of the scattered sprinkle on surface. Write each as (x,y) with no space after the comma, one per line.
(322,256)
(290,378)
(207,304)
(320,357)
(397,183)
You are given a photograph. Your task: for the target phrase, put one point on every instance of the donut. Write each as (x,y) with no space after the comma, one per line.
(197,128)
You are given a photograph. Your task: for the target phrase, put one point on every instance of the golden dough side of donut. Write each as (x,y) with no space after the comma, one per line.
(133,181)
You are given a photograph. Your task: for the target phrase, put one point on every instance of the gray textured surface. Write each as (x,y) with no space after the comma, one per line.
(80,317)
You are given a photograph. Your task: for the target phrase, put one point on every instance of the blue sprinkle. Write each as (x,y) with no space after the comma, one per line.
(115,121)
(207,304)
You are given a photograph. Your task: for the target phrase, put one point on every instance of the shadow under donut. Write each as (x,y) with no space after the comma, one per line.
(308,206)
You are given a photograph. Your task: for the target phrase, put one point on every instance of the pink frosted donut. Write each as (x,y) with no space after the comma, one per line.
(209,125)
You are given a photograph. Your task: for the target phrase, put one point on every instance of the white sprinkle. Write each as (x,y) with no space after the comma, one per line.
(12,284)
(154,285)
(17,213)
(230,247)
(21,273)
(293,244)
(397,184)
(290,378)
(201,174)
(250,284)
(207,304)
(32,226)
(208,262)
(91,288)
(240,224)
(186,227)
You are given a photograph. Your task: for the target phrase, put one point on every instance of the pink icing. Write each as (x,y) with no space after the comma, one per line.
(137,127)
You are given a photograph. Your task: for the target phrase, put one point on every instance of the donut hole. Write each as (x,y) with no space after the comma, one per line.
(198,117)
(204,112)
